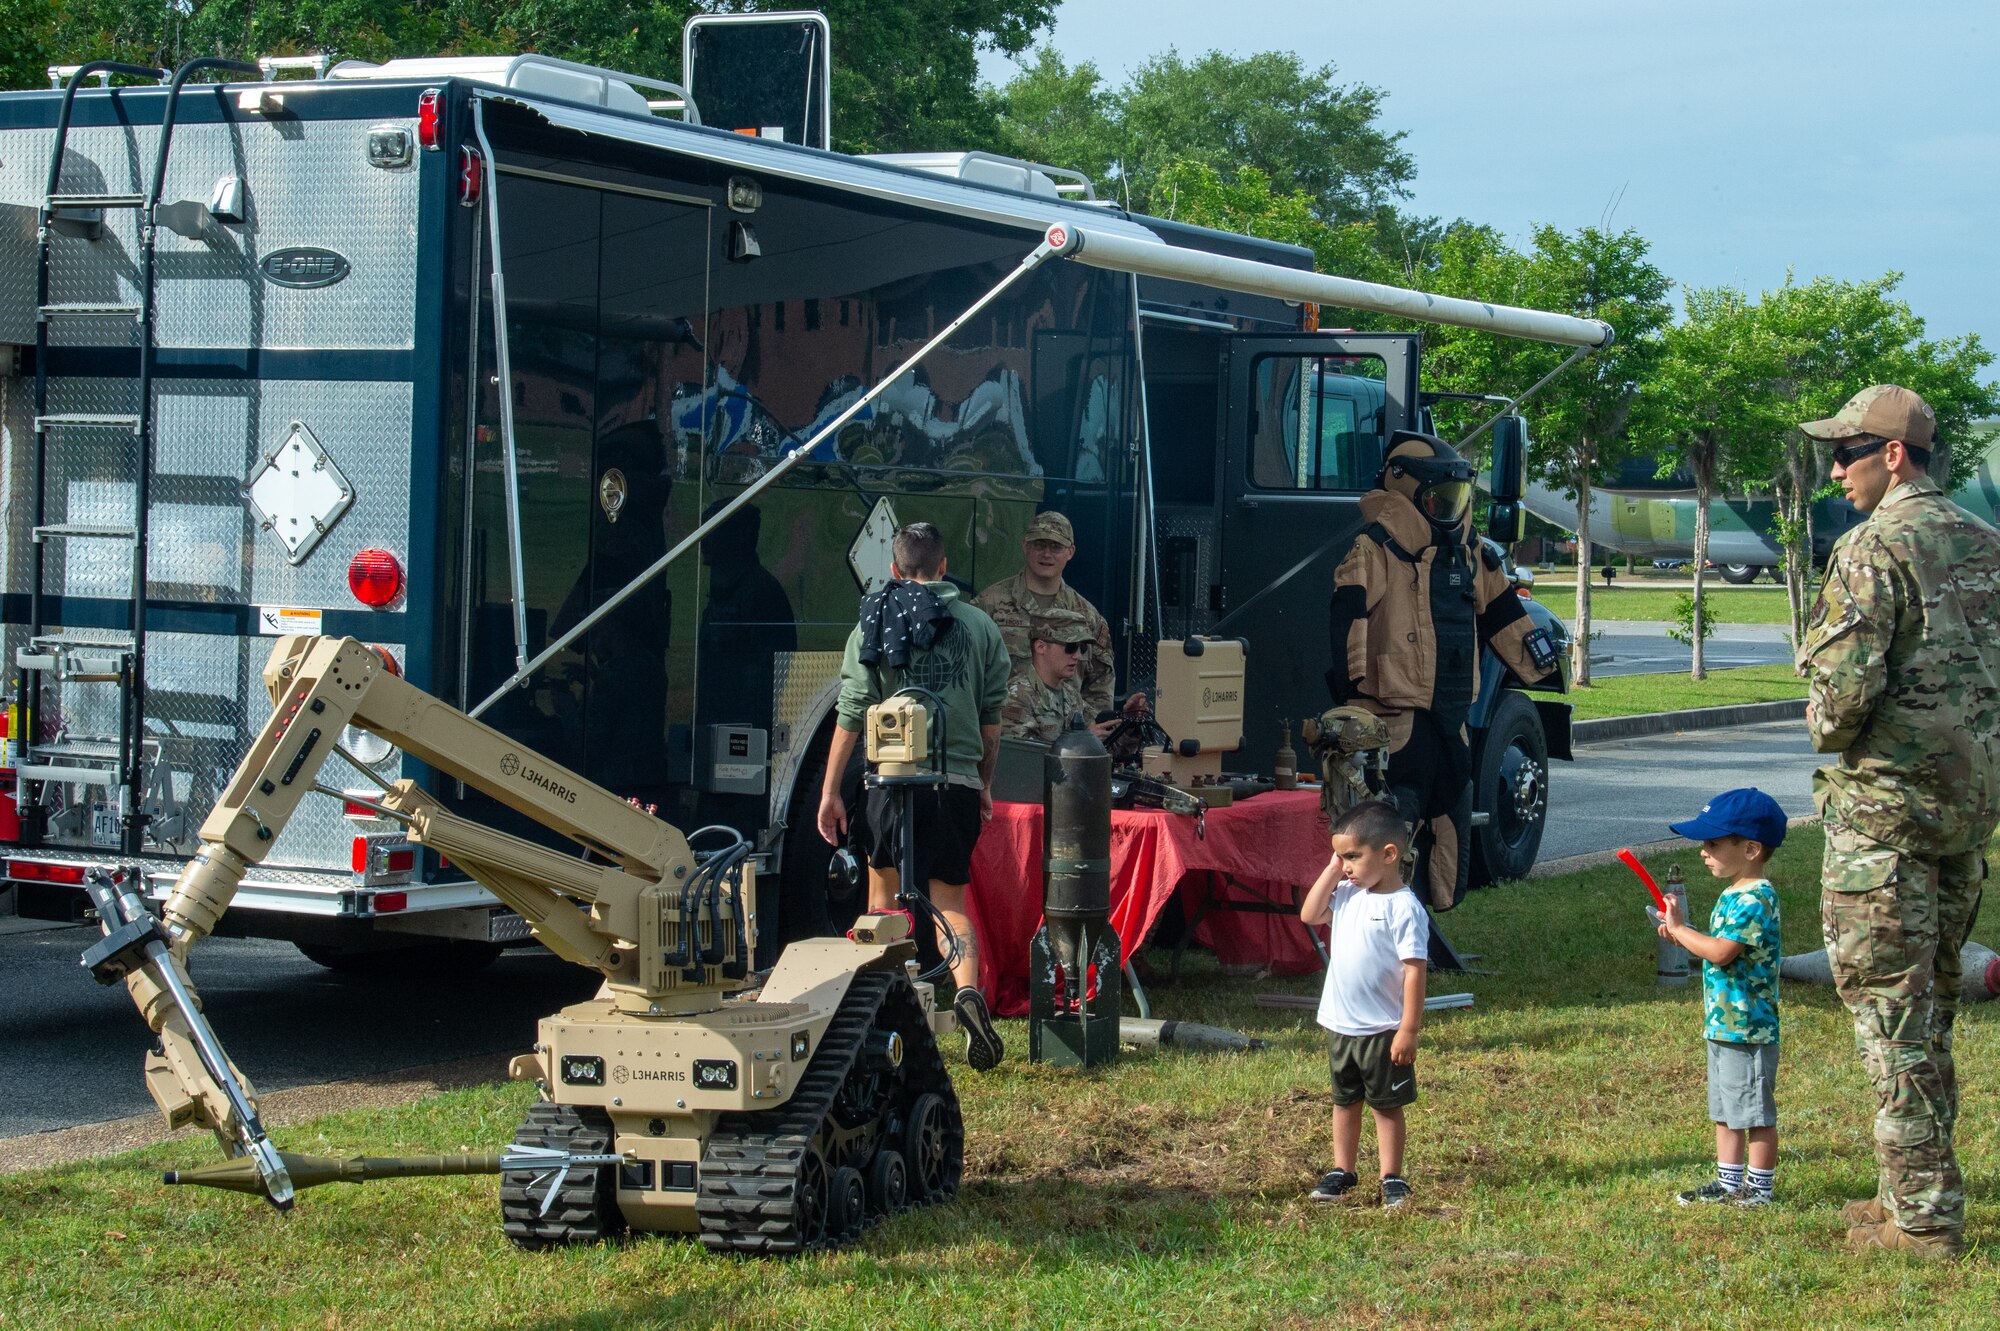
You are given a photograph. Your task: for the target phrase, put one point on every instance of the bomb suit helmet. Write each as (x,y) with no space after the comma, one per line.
(1429,473)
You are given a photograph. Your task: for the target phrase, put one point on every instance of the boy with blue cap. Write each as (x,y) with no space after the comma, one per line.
(1738,831)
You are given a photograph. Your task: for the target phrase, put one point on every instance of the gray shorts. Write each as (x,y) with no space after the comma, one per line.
(1742,1080)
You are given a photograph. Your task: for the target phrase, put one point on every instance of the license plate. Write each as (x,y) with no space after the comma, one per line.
(103,826)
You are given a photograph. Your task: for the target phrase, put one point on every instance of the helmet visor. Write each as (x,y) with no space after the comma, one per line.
(1445,502)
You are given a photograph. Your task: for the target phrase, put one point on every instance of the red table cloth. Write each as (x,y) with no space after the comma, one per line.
(1271,845)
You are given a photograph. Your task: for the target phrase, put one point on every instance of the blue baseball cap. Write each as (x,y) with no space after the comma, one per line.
(1746,813)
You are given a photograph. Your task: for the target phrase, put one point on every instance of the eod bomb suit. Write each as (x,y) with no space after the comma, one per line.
(1412,602)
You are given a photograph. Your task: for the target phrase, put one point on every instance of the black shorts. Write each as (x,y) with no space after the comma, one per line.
(948,823)
(1362,1071)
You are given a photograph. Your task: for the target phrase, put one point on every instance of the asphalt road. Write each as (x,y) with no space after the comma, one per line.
(1640,647)
(73,1048)
(1625,792)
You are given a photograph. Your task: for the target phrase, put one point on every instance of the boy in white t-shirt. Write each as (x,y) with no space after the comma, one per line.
(1373,1003)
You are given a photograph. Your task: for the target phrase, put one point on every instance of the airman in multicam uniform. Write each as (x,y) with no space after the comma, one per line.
(1903,651)
(1046,549)
(1043,700)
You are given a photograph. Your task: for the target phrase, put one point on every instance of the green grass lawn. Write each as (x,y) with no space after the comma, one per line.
(1630,695)
(1762,604)
(1558,1117)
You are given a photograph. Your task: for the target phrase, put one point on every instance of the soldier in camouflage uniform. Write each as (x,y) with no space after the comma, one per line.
(1903,650)
(1038,588)
(1043,700)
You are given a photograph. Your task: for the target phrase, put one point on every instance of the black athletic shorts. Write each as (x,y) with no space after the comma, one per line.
(1362,1071)
(948,823)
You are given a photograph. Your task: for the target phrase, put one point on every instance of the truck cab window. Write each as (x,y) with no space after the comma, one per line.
(1317,423)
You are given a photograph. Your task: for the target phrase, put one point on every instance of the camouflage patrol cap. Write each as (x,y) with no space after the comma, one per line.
(1885,411)
(1058,625)
(1051,527)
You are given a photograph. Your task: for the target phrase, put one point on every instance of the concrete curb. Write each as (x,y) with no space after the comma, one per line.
(1694,718)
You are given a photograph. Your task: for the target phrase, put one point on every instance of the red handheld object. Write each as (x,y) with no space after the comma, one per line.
(1632,863)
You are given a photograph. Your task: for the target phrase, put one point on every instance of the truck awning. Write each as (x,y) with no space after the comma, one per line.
(1109,240)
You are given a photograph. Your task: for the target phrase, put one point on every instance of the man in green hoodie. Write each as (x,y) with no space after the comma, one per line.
(917,633)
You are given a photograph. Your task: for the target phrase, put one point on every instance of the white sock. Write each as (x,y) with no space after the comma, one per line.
(1760,1179)
(1730,1176)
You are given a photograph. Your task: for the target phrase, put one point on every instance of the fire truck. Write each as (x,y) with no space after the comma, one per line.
(591,402)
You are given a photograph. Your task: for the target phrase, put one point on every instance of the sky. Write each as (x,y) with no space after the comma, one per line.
(1740,139)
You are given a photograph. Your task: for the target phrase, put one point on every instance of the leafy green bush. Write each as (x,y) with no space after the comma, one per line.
(1682,630)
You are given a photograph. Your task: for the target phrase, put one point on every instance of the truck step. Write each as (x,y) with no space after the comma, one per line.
(68,202)
(93,776)
(98,530)
(86,420)
(88,309)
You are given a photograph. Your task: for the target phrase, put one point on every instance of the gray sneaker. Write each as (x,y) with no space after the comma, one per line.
(1711,1191)
(1334,1185)
(1395,1190)
(1754,1196)
(982,1043)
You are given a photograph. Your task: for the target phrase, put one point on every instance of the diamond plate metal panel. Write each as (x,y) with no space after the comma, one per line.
(802,687)
(17,454)
(205,702)
(208,437)
(308,183)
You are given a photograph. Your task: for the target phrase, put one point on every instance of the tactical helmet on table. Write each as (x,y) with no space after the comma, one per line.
(1429,473)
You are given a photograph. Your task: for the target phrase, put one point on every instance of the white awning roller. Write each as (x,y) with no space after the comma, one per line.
(1155,259)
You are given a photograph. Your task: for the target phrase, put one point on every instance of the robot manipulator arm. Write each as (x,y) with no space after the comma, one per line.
(667,929)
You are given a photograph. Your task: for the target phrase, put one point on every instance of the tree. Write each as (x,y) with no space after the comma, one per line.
(1581,418)
(1712,404)
(905,72)
(1838,338)
(1296,127)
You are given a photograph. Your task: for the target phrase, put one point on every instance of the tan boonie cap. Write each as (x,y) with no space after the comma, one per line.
(1051,527)
(1886,411)
(1055,625)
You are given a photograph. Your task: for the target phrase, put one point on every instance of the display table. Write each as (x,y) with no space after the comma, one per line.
(1240,882)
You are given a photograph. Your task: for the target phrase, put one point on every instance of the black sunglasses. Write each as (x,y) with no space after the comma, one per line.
(1069,648)
(1849,454)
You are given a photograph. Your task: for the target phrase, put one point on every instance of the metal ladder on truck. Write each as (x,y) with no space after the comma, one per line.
(116,761)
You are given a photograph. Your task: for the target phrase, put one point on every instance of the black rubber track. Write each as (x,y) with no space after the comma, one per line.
(586,1209)
(748,1200)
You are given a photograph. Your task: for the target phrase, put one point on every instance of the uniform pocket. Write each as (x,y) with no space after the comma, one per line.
(1904,1130)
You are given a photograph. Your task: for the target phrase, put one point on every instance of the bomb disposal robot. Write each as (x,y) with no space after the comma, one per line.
(770,1124)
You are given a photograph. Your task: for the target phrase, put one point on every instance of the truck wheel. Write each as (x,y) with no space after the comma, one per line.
(1511,784)
(1740,574)
(802,903)
(443,958)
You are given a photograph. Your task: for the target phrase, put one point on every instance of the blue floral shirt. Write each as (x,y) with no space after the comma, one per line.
(1741,999)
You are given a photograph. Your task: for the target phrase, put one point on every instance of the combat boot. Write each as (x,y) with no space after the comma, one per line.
(1945,1244)
(1869,1211)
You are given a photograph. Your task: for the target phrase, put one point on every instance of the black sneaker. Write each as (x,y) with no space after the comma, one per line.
(1712,1191)
(1333,1185)
(1395,1190)
(1754,1197)
(982,1043)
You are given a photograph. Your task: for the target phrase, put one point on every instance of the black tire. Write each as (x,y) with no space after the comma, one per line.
(888,1182)
(1511,784)
(586,1206)
(936,1154)
(846,1204)
(437,959)
(1740,574)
